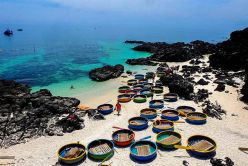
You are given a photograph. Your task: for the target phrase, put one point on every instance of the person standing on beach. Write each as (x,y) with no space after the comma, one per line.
(118,108)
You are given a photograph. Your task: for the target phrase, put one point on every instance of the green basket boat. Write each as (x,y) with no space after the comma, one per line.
(123,89)
(100,149)
(139,98)
(157,89)
(132,82)
(167,139)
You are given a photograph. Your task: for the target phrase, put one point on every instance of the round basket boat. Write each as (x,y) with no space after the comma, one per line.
(124,98)
(138,87)
(146,92)
(100,149)
(162,125)
(203,145)
(142,81)
(148,86)
(156,104)
(138,123)
(131,92)
(105,109)
(139,98)
(158,84)
(139,76)
(196,118)
(184,110)
(160,73)
(167,139)
(72,153)
(143,150)
(123,137)
(148,113)
(132,82)
(170,97)
(123,89)
(157,89)
(170,114)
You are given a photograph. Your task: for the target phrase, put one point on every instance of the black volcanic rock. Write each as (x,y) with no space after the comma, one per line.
(25,115)
(244,89)
(8,32)
(177,84)
(220,87)
(134,42)
(141,61)
(202,82)
(232,54)
(106,72)
(176,52)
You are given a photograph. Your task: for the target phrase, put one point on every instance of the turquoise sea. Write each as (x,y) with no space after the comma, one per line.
(58,56)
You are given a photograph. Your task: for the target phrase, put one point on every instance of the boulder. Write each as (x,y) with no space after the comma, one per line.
(202,82)
(244,90)
(106,72)
(220,87)
(141,61)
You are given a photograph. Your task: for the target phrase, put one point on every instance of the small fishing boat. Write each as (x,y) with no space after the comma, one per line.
(139,98)
(196,118)
(157,89)
(146,92)
(132,82)
(156,104)
(138,87)
(184,110)
(170,114)
(143,81)
(167,139)
(170,97)
(100,149)
(123,137)
(201,145)
(143,150)
(148,86)
(105,109)
(138,123)
(123,89)
(131,92)
(72,153)
(162,125)
(139,76)
(148,113)
(124,98)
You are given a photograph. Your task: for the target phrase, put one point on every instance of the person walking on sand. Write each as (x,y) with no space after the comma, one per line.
(118,108)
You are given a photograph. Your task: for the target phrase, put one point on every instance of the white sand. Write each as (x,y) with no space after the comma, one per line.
(229,133)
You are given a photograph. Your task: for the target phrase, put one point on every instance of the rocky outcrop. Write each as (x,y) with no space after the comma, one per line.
(106,72)
(175,52)
(244,90)
(177,84)
(232,54)
(8,32)
(141,61)
(25,115)
(213,110)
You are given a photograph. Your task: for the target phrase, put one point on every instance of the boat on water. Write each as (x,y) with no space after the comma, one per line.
(8,32)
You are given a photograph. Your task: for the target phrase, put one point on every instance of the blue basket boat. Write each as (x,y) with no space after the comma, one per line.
(105,109)
(139,76)
(162,125)
(143,81)
(184,110)
(148,86)
(196,118)
(143,150)
(138,123)
(156,104)
(146,92)
(158,83)
(138,87)
(170,114)
(148,113)
(193,140)
(170,97)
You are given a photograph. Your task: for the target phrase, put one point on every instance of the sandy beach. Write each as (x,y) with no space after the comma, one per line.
(229,133)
